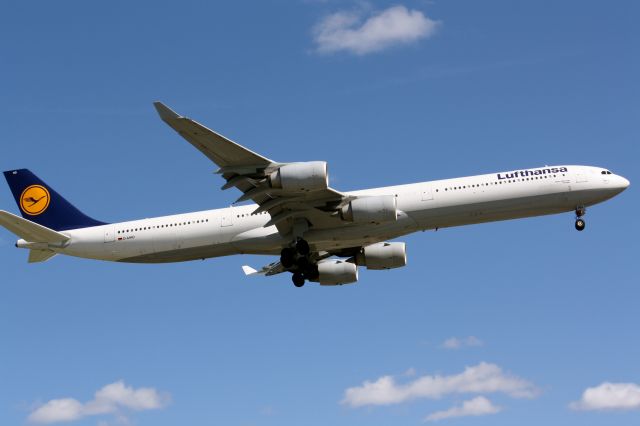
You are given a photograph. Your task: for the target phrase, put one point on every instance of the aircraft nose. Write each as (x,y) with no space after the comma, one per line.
(624,183)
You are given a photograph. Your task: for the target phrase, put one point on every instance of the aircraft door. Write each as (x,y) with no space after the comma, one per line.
(109,234)
(427,193)
(227,217)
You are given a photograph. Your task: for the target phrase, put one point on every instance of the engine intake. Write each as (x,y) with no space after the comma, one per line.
(336,272)
(307,176)
(377,209)
(383,256)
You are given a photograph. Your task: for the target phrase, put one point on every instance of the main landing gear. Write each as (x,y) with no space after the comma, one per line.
(296,259)
(298,279)
(580,223)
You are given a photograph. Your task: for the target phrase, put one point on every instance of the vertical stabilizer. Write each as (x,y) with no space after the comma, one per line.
(40,203)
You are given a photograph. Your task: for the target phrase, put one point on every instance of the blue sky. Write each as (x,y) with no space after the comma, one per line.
(387,93)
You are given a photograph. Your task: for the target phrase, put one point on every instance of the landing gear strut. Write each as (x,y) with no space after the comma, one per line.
(288,257)
(580,223)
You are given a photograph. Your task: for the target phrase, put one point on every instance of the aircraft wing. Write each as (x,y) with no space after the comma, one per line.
(249,172)
(222,151)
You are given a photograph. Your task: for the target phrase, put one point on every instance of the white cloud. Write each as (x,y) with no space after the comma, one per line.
(395,25)
(111,399)
(609,396)
(478,406)
(57,410)
(481,378)
(457,343)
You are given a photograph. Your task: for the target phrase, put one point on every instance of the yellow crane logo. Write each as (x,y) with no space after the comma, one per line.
(35,200)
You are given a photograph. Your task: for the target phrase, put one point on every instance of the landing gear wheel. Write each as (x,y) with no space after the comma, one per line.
(298,279)
(287,257)
(580,224)
(302,247)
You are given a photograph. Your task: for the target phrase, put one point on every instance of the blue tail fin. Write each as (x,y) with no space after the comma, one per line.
(41,204)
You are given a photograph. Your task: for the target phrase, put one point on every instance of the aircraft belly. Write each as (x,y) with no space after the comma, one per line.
(504,209)
(353,235)
(259,241)
(183,254)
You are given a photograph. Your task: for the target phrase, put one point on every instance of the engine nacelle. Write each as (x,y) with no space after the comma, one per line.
(335,272)
(383,256)
(377,209)
(307,176)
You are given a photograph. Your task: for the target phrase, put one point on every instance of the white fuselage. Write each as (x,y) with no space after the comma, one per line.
(422,206)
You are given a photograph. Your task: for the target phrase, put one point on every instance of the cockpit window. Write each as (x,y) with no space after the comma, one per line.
(606,172)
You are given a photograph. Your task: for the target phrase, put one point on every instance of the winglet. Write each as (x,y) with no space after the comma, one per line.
(248,270)
(165,112)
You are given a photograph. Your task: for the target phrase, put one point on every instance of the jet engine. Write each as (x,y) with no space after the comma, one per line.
(307,176)
(335,272)
(383,256)
(377,209)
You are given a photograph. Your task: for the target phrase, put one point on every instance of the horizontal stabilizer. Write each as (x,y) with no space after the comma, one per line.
(248,270)
(36,256)
(30,231)
(271,269)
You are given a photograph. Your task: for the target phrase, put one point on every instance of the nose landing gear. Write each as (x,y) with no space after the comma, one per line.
(580,223)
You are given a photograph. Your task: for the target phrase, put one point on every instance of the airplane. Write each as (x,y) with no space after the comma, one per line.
(319,233)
